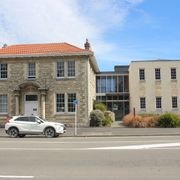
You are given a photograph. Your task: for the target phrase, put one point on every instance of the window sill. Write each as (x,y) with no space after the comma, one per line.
(3,79)
(175,109)
(143,110)
(31,79)
(142,80)
(65,78)
(3,113)
(64,114)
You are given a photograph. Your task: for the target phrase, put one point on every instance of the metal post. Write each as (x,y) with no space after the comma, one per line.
(134,112)
(75,102)
(75,123)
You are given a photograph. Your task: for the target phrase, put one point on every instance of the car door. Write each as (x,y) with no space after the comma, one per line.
(35,126)
(23,124)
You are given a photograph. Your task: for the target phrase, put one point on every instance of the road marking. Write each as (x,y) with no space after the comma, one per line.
(127,147)
(89,142)
(145,146)
(16,177)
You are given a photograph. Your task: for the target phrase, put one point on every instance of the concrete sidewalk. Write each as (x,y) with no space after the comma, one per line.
(116,131)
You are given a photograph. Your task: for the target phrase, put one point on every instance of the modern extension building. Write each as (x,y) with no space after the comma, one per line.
(155,86)
(46,79)
(112,89)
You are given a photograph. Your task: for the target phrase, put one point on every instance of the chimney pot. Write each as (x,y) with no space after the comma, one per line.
(4,45)
(87,45)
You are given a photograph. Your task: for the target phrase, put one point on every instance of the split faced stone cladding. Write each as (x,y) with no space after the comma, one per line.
(46,78)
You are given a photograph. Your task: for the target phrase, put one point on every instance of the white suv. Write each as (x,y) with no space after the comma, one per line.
(19,126)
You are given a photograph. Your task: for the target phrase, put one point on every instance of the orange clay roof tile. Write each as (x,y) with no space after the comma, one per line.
(50,48)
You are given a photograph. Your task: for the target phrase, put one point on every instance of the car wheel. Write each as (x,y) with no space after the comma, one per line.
(21,135)
(13,132)
(49,132)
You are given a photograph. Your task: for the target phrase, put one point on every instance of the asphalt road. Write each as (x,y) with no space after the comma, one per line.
(92,158)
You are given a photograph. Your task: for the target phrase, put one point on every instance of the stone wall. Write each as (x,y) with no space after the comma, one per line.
(81,84)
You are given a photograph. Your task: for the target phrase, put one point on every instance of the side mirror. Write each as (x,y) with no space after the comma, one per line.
(38,121)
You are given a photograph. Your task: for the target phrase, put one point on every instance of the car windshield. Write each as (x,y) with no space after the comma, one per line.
(40,119)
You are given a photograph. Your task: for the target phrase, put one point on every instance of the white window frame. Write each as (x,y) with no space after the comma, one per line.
(3,71)
(70,102)
(58,68)
(68,68)
(67,103)
(31,70)
(71,68)
(61,103)
(3,104)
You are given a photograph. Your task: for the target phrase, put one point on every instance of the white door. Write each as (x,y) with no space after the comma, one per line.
(31,105)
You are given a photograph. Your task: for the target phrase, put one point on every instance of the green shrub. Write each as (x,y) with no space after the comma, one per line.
(96,118)
(108,118)
(168,120)
(101,107)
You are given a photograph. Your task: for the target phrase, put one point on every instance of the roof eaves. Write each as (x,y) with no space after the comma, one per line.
(94,63)
(45,54)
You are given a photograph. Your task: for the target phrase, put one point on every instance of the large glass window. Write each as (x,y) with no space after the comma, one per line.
(31,70)
(112,84)
(103,84)
(60,69)
(120,84)
(3,71)
(60,103)
(98,84)
(173,73)
(126,84)
(71,68)
(3,103)
(71,105)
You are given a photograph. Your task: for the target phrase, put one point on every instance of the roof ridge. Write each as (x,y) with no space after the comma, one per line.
(74,46)
(26,44)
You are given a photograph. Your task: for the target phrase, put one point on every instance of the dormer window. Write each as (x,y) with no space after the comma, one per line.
(31,71)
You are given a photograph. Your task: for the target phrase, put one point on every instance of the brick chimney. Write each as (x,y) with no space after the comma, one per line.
(87,45)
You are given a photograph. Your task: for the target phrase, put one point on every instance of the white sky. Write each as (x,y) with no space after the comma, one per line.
(72,21)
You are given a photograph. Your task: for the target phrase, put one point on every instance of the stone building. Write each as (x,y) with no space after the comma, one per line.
(155,86)
(46,79)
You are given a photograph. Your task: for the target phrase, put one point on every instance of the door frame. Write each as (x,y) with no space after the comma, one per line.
(38,105)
